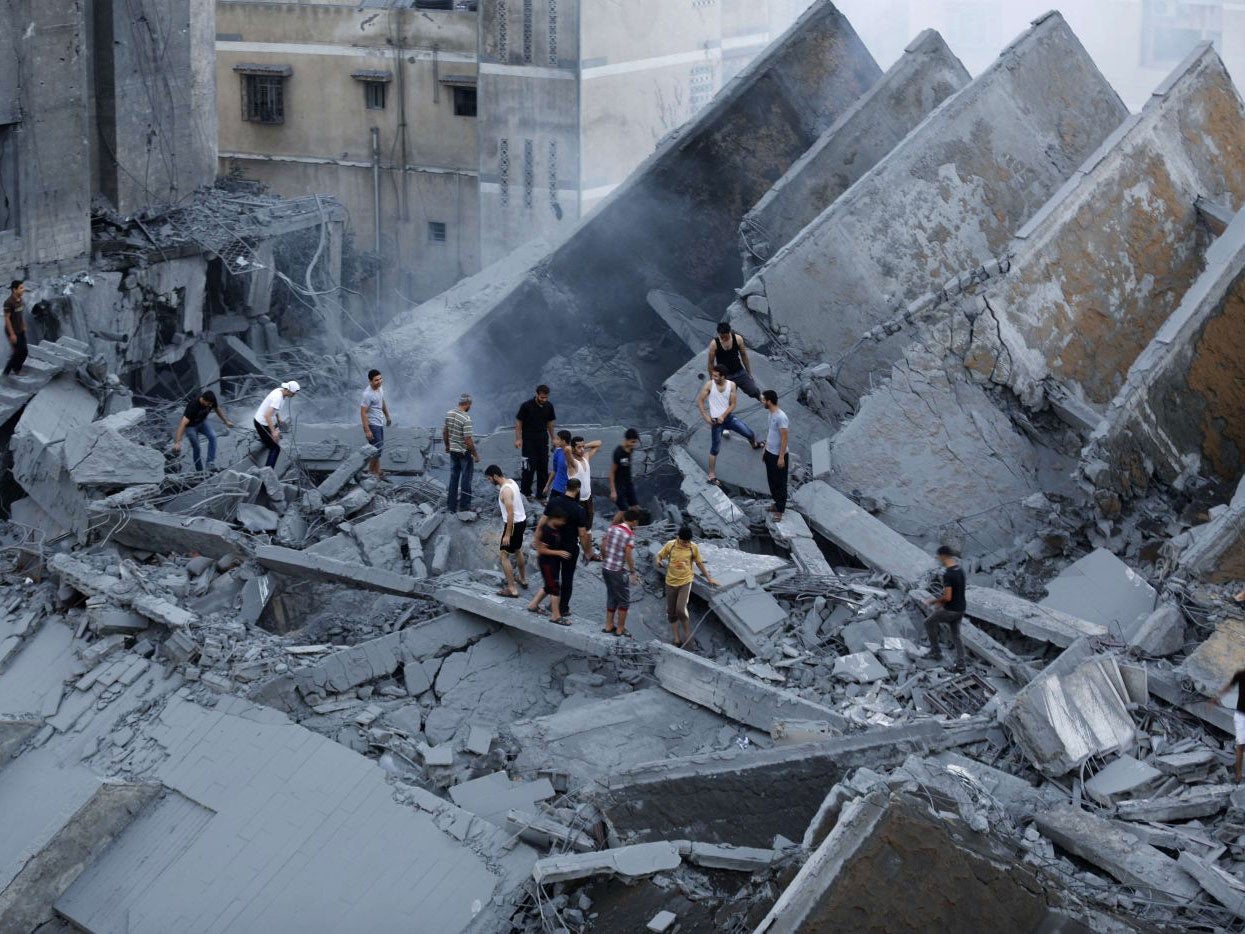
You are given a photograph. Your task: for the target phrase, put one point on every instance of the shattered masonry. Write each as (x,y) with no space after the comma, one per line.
(1001,314)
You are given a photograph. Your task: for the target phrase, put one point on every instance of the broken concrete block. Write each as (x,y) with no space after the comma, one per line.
(751,613)
(256,518)
(859,634)
(318,568)
(1185,763)
(662,922)
(115,619)
(787,732)
(861,667)
(1190,803)
(440,554)
(821,459)
(479,739)
(292,530)
(492,796)
(1122,778)
(355,501)
(1104,590)
(344,473)
(150,529)
(722,856)
(625,862)
(1118,853)
(1225,889)
(1161,633)
(540,830)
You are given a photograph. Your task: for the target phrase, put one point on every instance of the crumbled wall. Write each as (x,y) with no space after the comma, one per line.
(947,198)
(1110,258)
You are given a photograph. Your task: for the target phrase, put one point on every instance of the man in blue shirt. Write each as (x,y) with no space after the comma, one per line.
(557,479)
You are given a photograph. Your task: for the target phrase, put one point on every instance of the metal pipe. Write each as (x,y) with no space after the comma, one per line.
(376,206)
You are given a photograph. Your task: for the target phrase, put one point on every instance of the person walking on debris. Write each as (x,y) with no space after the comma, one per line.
(579,467)
(727,350)
(374,412)
(1238,716)
(458,440)
(15,327)
(573,535)
(550,556)
(682,557)
(717,402)
(268,419)
(951,606)
(514,525)
(622,489)
(558,477)
(533,436)
(194,425)
(775,453)
(618,569)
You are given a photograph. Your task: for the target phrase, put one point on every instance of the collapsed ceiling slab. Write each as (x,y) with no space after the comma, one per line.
(947,198)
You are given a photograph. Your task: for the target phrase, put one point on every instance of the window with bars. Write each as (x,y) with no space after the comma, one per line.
(464,102)
(374,95)
(436,231)
(263,98)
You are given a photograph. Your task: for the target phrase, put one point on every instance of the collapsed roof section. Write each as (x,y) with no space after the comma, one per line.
(926,75)
(948,197)
(672,225)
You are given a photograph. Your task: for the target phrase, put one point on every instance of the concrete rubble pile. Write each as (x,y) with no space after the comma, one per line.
(999,313)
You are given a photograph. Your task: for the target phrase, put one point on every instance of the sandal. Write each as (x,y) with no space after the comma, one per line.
(507,593)
(561,621)
(610,631)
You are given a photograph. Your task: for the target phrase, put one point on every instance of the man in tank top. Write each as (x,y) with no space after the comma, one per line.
(728,351)
(716,402)
(514,523)
(579,467)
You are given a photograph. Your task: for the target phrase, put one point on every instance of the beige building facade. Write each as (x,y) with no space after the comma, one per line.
(474,131)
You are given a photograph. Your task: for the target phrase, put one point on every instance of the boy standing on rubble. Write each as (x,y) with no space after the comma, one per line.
(374,411)
(558,476)
(268,419)
(682,558)
(775,452)
(194,425)
(15,327)
(951,606)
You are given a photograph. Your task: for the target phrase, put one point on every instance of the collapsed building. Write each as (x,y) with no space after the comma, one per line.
(1001,313)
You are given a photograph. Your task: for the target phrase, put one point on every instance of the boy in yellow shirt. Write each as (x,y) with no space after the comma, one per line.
(682,557)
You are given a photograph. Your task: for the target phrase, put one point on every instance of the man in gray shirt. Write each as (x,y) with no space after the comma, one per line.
(775,452)
(374,412)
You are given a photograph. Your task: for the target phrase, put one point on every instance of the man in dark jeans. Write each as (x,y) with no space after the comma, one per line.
(533,435)
(575,533)
(774,452)
(461,446)
(15,327)
(194,425)
(951,606)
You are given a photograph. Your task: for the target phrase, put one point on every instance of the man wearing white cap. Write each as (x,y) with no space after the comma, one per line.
(268,420)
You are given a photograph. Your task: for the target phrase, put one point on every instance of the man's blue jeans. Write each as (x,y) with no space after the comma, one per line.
(461,469)
(733,423)
(194,433)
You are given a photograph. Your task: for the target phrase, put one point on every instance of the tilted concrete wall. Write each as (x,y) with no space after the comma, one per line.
(947,198)
(673,225)
(1100,268)
(1183,405)
(926,75)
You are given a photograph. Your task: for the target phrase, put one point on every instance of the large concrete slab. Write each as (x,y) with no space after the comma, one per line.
(152,530)
(582,635)
(314,567)
(945,200)
(1103,589)
(837,518)
(1008,611)
(672,225)
(925,75)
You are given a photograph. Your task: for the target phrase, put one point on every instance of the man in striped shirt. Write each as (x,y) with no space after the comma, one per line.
(618,569)
(456,434)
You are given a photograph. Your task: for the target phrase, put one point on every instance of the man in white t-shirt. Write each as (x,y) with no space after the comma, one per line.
(374,412)
(268,419)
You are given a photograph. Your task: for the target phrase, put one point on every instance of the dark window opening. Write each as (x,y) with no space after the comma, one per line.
(263,98)
(436,231)
(374,95)
(8,177)
(464,102)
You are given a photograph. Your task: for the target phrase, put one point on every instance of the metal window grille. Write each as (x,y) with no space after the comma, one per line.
(529,171)
(553,32)
(527,30)
(374,95)
(263,98)
(553,171)
(701,86)
(503,170)
(503,30)
(464,102)
(436,231)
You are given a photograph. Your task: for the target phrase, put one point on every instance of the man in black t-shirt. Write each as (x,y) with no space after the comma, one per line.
(951,606)
(574,534)
(194,425)
(1238,715)
(622,490)
(533,435)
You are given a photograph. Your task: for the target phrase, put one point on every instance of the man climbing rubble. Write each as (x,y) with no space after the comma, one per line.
(268,419)
(194,425)
(533,436)
(716,402)
(951,606)
(15,327)
(514,524)
(374,412)
(775,453)
(460,445)
(727,350)
(1238,716)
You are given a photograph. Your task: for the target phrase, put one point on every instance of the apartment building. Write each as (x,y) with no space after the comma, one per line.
(454,132)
